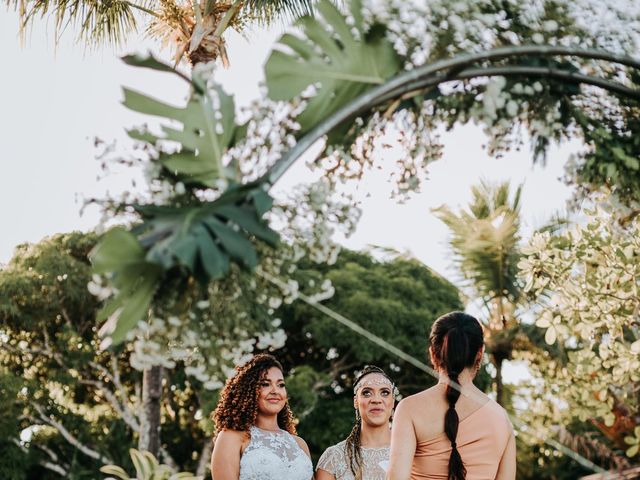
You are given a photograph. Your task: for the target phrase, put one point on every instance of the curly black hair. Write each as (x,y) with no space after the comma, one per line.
(237,407)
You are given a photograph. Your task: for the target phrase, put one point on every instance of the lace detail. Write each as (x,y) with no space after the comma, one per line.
(274,456)
(374,462)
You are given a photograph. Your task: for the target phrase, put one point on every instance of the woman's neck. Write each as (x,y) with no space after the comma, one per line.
(375,437)
(267,422)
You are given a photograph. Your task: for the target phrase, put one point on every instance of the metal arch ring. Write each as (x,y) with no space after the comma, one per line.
(454,68)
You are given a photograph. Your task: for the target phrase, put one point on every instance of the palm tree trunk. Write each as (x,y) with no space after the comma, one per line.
(151,396)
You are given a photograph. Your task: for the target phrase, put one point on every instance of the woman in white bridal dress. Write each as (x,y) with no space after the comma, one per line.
(256,436)
(364,454)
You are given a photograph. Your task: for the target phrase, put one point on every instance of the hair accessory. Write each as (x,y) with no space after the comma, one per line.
(373,382)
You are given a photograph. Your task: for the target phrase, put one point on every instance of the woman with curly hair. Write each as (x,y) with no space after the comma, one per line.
(256,435)
(364,454)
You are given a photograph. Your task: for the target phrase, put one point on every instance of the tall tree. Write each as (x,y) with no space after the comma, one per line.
(484,241)
(194,29)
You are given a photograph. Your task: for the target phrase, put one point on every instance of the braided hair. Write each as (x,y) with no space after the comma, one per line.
(456,338)
(352,445)
(237,407)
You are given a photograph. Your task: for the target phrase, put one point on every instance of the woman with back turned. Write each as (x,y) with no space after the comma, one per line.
(450,434)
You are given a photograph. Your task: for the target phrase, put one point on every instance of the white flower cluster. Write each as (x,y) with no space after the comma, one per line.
(271,129)
(310,217)
(424,31)
(586,287)
(408,140)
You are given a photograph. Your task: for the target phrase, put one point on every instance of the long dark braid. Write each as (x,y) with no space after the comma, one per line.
(456,339)
(352,445)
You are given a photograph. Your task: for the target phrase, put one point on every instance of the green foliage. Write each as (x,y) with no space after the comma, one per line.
(396,300)
(614,159)
(188,237)
(14,464)
(484,240)
(51,369)
(207,127)
(134,278)
(47,321)
(147,468)
(345,66)
(584,283)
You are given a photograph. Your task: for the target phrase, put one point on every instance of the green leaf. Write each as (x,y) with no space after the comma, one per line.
(138,284)
(203,238)
(347,67)
(215,263)
(147,61)
(633,450)
(262,201)
(141,103)
(233,242)
(117,249)
(206,130)
(246,218)
(141,465)
(114,470)
(142,136)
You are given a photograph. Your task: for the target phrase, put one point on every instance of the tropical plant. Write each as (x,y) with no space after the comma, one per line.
(147,468)
(484,241)
(72,407)
(584,283)
(195,30)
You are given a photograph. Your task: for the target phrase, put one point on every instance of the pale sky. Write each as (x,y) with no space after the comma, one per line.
(54,102)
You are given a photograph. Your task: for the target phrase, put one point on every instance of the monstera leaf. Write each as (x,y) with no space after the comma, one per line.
(190,237)
(200,240)
(135,280)
(205,238)
(342,64)
(207,126)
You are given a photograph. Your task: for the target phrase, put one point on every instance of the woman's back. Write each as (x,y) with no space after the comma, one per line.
(453,430)
(483,433)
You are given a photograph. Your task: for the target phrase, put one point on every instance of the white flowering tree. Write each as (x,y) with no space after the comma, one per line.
(585,285)
(543,72)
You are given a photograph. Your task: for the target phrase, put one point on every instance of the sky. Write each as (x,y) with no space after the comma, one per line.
(55,101)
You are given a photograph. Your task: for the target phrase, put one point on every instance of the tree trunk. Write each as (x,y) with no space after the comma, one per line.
(499,386)
(150,425)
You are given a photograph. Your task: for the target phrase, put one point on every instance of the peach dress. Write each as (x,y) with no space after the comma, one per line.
(482,439)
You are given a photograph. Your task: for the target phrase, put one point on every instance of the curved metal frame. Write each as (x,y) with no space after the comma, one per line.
(457,68)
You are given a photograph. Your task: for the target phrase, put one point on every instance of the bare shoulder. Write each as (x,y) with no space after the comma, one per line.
(303,445)
(232,438)
(418,398)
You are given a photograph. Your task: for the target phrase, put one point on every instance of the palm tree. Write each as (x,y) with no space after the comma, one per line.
(484,241)
(194,29)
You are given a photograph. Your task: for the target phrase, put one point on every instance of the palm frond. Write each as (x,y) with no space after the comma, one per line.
(484,241)
(100,22)
(266,11)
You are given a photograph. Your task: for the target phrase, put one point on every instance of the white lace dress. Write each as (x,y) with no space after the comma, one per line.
(374,462)
(274,456)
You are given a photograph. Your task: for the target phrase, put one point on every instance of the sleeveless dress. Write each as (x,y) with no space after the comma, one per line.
(274,455)
(482,439)
(375,462)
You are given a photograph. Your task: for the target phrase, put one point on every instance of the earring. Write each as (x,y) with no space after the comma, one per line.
(357,414)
